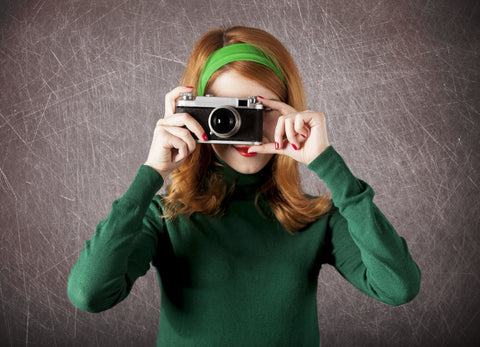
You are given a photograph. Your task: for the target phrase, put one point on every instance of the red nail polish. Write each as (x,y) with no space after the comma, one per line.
(260,97)
(205,137)
(277,146)
(294,147)
(303,136)
(189,87)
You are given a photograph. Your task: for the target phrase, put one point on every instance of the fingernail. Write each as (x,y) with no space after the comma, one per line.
(205,137)
(277,146)
(303,136)
(294,147)
(189,87)
(260,97)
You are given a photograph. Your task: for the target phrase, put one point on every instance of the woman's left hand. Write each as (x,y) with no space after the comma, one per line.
(300,135)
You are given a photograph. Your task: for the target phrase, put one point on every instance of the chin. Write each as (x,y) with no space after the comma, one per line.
(250,165)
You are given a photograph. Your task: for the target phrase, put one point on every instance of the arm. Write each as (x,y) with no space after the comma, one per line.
(120,249)
(125,242)
(365,248)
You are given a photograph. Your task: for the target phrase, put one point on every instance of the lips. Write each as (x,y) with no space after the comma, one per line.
(244,151)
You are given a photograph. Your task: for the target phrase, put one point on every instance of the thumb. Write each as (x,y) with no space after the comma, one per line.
(267,148)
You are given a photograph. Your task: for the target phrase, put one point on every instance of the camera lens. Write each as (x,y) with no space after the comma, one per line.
(224,121)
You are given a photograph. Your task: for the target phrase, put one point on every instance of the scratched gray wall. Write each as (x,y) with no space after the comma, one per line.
(82,85)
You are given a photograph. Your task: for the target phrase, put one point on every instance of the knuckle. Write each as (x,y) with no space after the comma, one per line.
(192,145)
(183,147)
(322,117)
(182,117)
(160,132)
(184,133)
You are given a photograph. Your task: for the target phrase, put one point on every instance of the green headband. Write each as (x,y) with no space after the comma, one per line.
(235,52)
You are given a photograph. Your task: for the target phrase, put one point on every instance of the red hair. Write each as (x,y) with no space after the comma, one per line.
(196,186)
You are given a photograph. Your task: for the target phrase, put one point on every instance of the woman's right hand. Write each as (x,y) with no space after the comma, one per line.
(172,139)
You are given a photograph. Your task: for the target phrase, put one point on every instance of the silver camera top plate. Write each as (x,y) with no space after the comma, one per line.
(189,100)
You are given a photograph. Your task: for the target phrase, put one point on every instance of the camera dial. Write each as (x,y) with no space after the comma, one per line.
(224,121)
(187,96)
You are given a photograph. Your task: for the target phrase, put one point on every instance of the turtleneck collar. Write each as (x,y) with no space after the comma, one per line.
(243,180)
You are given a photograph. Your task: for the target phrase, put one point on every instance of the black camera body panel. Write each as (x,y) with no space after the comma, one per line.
(226,120)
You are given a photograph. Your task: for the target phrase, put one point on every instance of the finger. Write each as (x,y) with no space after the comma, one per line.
(184,120)
(171,99)
(173,141)
(277,105)
(300,126)
(265,148)
(269,148)
(178,148)
(279,132)
(166,147)
(184,135)
(291,134)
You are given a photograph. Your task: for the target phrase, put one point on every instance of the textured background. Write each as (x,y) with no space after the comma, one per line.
(82,85)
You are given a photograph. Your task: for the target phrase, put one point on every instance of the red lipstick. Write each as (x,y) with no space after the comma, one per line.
(244,152)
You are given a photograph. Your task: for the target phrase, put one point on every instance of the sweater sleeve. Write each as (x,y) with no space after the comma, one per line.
(121,248)
(364,247)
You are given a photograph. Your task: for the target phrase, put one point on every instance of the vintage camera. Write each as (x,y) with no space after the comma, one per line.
(228,120)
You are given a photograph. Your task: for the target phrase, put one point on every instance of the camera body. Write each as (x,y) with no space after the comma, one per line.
(228,120)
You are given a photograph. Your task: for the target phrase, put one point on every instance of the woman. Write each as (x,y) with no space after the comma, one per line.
(237,246)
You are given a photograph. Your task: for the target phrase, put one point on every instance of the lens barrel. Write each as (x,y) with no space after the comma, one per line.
(224,121)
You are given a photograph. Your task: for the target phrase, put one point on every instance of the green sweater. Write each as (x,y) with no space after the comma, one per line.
(241,279)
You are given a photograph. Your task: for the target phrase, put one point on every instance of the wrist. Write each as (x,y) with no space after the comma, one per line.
(145,184)
(319,152)
(163,173)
